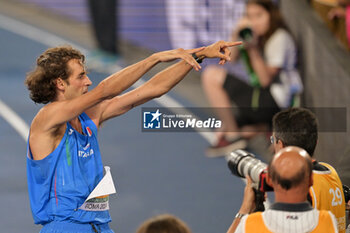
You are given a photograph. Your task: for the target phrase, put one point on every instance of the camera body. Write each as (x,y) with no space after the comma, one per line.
(242,164)
(246,34)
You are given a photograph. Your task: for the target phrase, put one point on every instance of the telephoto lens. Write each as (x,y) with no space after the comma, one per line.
(243,163)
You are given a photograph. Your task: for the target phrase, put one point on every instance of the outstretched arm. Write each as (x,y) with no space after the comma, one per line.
(59,112)
(122,80)
(162,82)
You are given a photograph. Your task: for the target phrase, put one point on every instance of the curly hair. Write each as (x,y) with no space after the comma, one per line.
(52,64)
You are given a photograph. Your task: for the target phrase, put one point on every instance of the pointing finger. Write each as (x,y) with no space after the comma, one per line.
(231,44)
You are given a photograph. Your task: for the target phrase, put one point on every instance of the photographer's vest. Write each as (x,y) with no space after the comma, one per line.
(255,223)
(327,193)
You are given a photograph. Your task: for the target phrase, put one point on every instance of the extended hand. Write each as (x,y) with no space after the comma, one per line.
(186,55)
(220,50)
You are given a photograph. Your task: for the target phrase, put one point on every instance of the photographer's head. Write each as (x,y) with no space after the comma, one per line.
(164,223)
(295,127)
(290,174)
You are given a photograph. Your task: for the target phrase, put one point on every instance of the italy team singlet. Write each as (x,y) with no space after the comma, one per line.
(59,184)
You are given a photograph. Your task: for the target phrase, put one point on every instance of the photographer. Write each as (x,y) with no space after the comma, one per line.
(298,127)
(290,175)
(269,55)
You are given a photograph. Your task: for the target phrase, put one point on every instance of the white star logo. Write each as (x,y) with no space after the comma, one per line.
(156,115)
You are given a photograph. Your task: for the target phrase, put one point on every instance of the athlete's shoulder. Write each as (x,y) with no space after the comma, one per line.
(42,121)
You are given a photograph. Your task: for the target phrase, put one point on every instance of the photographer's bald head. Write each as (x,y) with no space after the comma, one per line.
(290,174)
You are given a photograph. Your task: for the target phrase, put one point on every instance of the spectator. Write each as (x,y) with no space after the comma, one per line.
(298,127)
(342,11)
(104,22)
(164,223)
(269,54)
(290,174)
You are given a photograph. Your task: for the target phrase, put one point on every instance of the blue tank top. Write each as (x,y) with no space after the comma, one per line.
(60,183)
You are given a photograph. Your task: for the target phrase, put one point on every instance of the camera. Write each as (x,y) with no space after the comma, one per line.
(242,164)
(246,34)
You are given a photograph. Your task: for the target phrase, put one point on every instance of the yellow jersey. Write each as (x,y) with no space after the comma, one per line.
(327,194)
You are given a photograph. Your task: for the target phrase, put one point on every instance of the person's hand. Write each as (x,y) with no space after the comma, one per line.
(336,12)
(219,49)
(186,55)
(248,204)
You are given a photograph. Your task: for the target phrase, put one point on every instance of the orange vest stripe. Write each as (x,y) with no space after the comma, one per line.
(255,222)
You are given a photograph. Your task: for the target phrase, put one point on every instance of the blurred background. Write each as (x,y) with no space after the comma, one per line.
(159,173)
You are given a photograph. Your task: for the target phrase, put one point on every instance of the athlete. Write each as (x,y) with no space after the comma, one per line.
(298,127)
(63,160)
(290,175)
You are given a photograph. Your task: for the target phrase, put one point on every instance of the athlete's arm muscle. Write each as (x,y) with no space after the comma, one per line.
(160,83)
(155,87)
(48,125)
